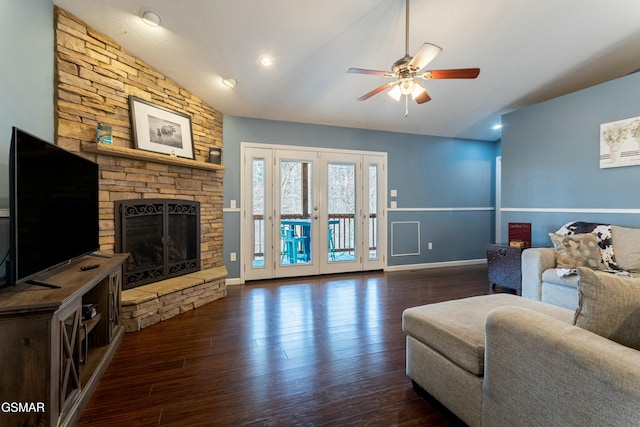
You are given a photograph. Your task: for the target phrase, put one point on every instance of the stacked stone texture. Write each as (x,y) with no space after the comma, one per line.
(94,79)
(153,307)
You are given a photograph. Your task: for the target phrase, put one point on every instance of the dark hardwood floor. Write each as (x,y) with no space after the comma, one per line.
(320,351)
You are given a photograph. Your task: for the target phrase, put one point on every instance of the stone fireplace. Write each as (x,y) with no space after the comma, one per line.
(94,79)
(149,184)
(161,237)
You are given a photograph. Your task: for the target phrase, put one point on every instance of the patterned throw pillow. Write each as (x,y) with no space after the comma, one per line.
(603,236)
(577,250)
(608,306)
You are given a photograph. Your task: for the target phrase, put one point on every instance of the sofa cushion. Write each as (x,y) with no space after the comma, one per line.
(626,246)
(577,250)
(455,329)
(552,276)
(609,305)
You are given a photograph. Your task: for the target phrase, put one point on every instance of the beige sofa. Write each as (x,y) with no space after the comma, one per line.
(541,280)
(540,371)
(501,360)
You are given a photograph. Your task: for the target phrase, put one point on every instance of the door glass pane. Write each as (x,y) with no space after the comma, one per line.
(373,212)
(258,208)
(341,208)
(295,212)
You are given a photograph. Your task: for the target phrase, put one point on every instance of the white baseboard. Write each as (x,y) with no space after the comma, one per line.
(435,264)
(238,281)
(233,281)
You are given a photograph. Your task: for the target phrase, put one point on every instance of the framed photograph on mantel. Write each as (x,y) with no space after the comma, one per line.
(160,130)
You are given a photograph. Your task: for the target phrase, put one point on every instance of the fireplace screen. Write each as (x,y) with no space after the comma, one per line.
(161,236)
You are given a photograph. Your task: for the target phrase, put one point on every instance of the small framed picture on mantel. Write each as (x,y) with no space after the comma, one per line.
(160,130)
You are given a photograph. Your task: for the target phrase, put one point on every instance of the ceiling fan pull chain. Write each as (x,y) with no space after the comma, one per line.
(406,105)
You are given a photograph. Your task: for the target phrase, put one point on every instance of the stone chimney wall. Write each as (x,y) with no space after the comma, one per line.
(94,79)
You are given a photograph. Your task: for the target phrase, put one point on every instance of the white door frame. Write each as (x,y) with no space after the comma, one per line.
(271,153)
(498,213)
(379,262)
(326,265)
(312,267)
(264,271)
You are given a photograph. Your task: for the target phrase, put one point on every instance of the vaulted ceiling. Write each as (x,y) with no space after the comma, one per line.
(528,51)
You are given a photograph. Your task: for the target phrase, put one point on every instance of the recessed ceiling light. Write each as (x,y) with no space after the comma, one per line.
(229,82)
(496,127)
(265,60)
(150,17)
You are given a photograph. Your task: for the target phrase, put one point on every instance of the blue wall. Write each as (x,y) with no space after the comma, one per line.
(26,75)
(26,84)
(550,161)
(437,179)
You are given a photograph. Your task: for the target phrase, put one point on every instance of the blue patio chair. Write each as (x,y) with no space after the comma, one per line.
(291,243)
(332,249)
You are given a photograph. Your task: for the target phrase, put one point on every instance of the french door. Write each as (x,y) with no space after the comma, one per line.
(307,212)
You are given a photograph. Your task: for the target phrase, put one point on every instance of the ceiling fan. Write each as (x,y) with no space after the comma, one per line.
(407,69)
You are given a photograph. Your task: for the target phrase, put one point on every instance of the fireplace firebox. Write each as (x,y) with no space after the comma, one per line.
(162,237)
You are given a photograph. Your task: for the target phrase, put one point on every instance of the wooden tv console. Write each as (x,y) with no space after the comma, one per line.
(51,358)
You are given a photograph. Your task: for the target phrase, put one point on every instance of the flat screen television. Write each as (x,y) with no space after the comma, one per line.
(53,207)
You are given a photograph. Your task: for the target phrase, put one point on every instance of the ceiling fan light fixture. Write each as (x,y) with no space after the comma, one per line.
(407,86)
(395,93)
(417,91)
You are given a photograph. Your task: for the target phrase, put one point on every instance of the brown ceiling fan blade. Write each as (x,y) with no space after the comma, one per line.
(376,91)
(459,73)
(422,98)
(373,72)
(426,54)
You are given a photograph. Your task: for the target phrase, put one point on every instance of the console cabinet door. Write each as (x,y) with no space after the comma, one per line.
(25,367)
(69,320)
(115,288)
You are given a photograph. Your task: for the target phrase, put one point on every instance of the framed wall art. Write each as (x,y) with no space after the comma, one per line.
(620,143)
(160,130)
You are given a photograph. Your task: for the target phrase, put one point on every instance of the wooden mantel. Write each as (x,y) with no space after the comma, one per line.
(146,156)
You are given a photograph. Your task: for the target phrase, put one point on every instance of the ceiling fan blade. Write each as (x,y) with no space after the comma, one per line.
(425,55)
(460,73)
(373,72)
(376,91)
(423,96)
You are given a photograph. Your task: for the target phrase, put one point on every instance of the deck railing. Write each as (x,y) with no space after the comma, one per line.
(343,232)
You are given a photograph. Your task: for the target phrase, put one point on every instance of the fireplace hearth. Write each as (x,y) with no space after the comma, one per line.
(162,237)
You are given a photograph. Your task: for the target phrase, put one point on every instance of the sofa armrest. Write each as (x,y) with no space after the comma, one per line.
(540,371)
(534,262)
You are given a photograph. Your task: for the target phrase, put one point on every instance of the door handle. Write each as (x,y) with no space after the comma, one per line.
(315,217)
